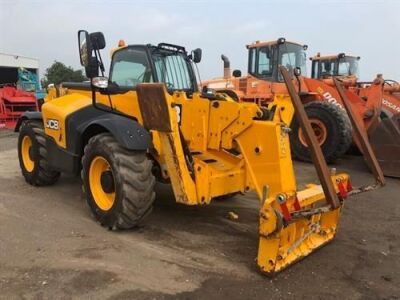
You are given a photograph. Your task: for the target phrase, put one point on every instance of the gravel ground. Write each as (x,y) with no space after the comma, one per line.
(51,248)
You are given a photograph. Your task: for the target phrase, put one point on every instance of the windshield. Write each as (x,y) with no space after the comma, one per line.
(327,69)
(172,68)
(130,67)
(292,56)
(348,66)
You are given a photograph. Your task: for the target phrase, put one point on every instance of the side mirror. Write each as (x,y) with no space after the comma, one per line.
(237,73)
(85,47)
(196,55)
(100,82)
(297,71)
(97,40)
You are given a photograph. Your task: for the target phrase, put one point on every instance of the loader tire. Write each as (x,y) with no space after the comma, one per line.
(32,155)
(118,183)
(332,128)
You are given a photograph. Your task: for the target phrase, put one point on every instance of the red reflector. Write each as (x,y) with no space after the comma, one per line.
(349,186)
(285,212)
(296,204)
(342,190)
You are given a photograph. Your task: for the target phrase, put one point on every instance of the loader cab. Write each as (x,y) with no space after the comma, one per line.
(342,65)
(265,58)
(135,64)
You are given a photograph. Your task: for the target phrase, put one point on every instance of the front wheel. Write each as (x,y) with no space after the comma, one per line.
(119,184)
(331,127)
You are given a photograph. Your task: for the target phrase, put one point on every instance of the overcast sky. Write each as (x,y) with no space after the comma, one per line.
(48,29)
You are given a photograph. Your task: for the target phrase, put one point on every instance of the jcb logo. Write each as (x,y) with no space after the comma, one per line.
(52,124)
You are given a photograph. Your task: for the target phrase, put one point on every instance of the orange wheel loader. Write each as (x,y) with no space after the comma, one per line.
(381,115)
(321,101)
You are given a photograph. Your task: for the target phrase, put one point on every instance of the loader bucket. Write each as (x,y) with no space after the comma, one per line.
(385,141)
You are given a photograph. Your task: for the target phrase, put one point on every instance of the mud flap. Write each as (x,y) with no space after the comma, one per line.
(385,141)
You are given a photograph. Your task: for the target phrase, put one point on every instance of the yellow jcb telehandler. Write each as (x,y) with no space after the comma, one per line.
(148,121)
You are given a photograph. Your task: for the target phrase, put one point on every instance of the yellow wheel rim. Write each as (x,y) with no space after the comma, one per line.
(26,146)
(98,166)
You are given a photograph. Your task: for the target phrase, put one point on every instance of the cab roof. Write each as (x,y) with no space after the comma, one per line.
(332,57)
(257,44)
(165,46)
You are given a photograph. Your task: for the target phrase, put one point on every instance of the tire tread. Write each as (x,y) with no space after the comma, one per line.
(137,186)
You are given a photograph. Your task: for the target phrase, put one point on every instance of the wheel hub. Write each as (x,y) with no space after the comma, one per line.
(31,153)
(320,132)
(107,182)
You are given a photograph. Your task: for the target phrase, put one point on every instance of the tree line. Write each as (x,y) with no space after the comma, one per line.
(59,72)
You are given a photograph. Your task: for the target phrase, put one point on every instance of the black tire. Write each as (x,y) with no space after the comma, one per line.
(226,197)
(41,174)
(338,132)
(133,183)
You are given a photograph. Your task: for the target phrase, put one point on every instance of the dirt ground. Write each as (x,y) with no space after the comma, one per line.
(50,247)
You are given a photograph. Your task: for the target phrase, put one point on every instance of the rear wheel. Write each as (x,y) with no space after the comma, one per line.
(331,127)
(119,184)
(32,155)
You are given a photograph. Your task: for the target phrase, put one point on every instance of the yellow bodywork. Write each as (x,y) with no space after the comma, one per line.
(233,150)
(70,101)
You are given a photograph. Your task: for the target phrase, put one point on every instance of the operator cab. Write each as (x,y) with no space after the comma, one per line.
(135,64)
(166,63)
(342,65)
(265,58)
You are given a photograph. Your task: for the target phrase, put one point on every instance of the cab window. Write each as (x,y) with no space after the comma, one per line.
(252,61)
(130,67)
(291,56)
(289,60)
(327,68)
(264,62)
(315,69)
(173,70)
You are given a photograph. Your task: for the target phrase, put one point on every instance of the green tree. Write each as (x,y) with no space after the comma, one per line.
(59,72)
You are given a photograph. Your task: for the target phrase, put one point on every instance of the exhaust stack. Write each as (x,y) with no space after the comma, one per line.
(227,66)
